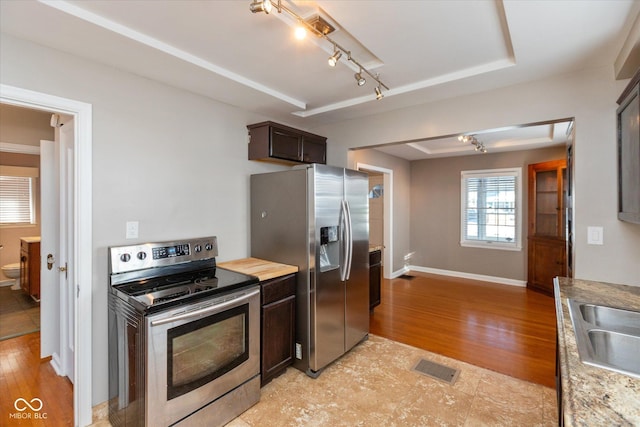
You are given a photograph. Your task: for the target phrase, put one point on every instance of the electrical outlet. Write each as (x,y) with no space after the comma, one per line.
(132,230)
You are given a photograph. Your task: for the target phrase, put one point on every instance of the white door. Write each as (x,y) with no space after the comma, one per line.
(66,251)
(49,236)
(57,308)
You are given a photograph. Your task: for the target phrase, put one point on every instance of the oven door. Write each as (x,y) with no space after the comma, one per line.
(196,353)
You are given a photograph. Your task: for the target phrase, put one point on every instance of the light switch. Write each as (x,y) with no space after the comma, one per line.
(132,230)
(595,236)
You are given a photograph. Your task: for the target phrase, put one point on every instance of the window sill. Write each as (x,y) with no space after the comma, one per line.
(492,245)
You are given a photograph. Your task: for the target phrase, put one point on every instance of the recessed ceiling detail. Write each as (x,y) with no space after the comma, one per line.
(526,137)
(426,51)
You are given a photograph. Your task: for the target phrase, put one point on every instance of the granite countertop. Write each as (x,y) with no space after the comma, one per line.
(261,268)
(593,396)
(373,248)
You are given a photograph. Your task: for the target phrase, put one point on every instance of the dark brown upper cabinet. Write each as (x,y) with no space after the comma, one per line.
(276,142)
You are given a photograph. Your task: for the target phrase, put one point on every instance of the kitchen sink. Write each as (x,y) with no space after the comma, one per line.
(611,318)
(607,337)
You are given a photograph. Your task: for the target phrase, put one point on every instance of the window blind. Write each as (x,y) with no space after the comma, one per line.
(16,200)
(490,207)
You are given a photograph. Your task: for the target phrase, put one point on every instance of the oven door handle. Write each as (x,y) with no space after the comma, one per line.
(206,310)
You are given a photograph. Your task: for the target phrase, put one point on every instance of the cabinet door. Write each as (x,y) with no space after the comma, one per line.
(285,145)
(546,261)
(314,150)
(278,319)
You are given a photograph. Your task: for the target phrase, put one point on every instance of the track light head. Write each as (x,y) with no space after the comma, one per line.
(358,76)
(260,6)
(379,94)
(333,59)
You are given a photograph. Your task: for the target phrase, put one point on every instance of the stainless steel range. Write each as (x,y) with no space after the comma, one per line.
(184,336)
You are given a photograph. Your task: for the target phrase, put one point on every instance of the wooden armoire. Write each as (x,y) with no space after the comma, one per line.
(547,231)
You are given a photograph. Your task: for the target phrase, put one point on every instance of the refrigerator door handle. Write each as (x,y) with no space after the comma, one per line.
(343,240)
(349,240)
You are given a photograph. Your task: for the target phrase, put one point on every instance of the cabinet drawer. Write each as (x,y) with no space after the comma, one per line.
(375,257)
(277,289)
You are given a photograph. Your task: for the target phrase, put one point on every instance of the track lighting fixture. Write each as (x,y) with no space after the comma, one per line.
(260,6)
(318,26)
(478,145)
(379,94)
(333,59)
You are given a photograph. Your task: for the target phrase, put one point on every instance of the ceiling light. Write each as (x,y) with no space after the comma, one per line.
(321,28)
(379,94)
(260,6)
(478,145)
(333,59)
(301,32)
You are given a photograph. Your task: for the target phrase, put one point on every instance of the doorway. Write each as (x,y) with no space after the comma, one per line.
(83,250)
(387,214)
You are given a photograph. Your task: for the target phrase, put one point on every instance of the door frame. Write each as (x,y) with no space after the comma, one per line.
(83,245)
(387,234)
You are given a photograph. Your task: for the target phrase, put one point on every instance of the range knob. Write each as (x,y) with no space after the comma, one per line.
(208,246)
(142,255)
(198,248)
(125,257)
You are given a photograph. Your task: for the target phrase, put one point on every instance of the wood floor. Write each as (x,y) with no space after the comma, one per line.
(24,376)
(507,329)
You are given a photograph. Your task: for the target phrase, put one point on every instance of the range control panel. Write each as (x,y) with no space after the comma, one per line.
(149,255)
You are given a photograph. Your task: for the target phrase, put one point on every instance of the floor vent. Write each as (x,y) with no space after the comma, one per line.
(437,371)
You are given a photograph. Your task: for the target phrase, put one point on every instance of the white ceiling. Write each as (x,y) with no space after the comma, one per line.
(423,51)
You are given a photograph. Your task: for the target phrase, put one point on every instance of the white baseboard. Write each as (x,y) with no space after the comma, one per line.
(55,362)
(480,277)
(399,273)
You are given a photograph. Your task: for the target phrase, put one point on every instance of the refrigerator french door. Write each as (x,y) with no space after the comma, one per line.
(317,218)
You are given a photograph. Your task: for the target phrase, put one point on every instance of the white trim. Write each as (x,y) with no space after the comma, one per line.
(472,276)
(83,253)
(8,147)
(388,215)
(489,173)
(57,366)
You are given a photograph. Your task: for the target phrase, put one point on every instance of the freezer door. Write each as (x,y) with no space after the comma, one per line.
(357,285)
(327,290)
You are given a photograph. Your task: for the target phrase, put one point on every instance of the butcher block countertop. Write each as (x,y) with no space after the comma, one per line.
(263,269)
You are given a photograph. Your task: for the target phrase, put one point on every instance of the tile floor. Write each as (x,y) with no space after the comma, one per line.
(19,313)
(374,385)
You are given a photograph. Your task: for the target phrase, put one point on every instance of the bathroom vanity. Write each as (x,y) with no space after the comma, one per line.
(30,266)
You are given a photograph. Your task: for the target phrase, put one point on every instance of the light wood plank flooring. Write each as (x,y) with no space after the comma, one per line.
(507,329)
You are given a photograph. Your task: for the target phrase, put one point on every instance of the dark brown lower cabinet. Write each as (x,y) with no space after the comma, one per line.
(547,259)
(375,275)
(278,326)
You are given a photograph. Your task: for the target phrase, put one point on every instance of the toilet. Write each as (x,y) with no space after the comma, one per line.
(12,271)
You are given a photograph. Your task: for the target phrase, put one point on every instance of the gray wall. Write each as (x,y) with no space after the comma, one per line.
(435,214)
(172,160)
(589,96)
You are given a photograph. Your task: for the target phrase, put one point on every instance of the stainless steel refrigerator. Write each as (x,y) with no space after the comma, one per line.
(317,217)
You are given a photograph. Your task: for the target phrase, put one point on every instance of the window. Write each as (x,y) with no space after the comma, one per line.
(17,195)
(491,209)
